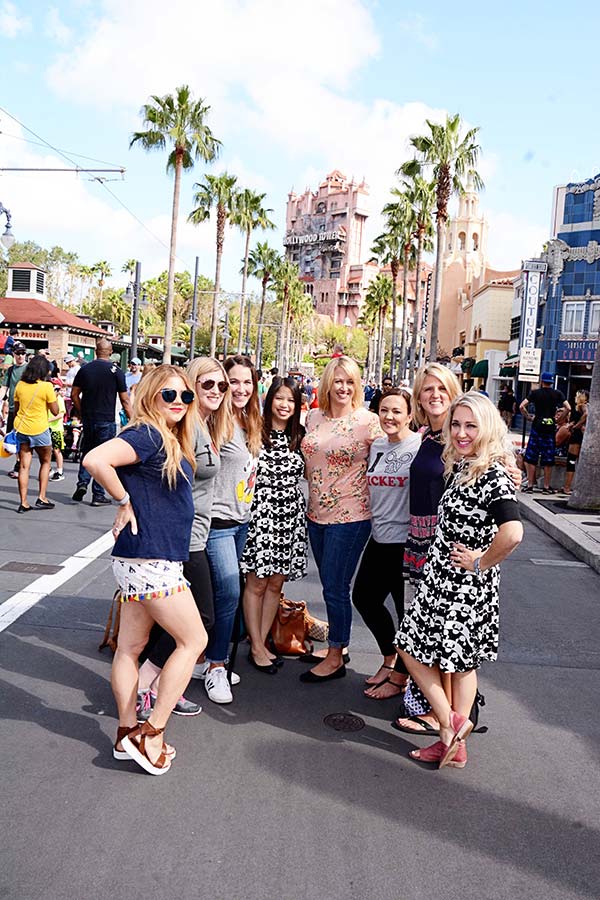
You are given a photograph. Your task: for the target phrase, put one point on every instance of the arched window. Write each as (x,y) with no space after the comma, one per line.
(475,241)
(462,238)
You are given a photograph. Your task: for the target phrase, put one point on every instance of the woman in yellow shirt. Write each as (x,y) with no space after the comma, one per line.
(34,397)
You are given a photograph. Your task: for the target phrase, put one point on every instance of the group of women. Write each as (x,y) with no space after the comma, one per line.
(207,488)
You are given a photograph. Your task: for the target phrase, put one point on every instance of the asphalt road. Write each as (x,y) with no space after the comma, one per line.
(264,800)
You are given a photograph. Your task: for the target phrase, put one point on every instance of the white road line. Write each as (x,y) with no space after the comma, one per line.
(19,603)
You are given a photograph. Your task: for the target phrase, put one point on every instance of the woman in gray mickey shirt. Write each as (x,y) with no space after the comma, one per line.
(380,571)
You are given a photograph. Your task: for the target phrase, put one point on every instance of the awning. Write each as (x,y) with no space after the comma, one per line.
(512,360)
(480,369)
(508,371)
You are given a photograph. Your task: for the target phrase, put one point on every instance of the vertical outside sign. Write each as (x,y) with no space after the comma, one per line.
(530,310)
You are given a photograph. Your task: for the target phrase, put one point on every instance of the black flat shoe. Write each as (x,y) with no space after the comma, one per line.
(24,509)
(311,658)
(271,669)
(310,677)
(278,661)
(43,504)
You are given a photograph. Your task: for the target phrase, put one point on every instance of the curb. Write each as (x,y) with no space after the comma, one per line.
(563,531)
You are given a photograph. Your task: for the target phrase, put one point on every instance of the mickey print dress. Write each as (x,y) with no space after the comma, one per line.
(277,537)
(453,619)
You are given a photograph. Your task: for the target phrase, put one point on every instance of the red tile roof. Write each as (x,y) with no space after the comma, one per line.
(25,266)
(27,311)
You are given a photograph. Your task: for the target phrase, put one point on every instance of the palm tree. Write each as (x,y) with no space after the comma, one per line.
(86,275)
(450,158)
(286,279)
(218,191)
(129,267)
(377,301)
(421,196)
(101,270)
(178,120)
(249,213)
(263,263)
(586,488)
(389,248)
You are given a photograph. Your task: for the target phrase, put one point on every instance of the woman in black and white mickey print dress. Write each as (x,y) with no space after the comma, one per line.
(276,549)
(452,624)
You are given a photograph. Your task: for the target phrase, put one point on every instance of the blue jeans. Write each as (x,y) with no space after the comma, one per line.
(337,550)
(224,549)
(94,434)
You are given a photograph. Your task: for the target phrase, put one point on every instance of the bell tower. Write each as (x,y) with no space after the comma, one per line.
(466,235)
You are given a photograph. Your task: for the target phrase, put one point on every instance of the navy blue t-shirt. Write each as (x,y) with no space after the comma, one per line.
(164,516)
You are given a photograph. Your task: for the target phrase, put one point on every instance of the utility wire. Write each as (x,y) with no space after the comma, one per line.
(16,137)
(97,179)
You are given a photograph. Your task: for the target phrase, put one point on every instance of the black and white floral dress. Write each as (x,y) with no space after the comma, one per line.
(453,619)
(277,538)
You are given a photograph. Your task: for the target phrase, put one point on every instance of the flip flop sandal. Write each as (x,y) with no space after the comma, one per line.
(425,729)
(400,688)
(377,683)
(123,731)
(134,744)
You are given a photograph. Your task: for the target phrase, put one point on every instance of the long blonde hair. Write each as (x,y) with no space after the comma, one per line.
(445,376)
(491,445)
(251,415)
(351,369)
(178,443)
(219,422)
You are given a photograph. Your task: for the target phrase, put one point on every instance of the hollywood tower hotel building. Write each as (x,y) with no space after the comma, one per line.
(324,237)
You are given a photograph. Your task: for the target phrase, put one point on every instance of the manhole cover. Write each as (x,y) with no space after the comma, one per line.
(34,568)
(344,722)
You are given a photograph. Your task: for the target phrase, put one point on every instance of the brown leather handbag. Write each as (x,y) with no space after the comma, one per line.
(290,629)
(110,640)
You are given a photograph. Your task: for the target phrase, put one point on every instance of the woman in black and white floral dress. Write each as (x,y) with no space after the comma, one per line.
(276,548)
(452,624)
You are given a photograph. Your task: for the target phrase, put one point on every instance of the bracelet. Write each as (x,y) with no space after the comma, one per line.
(124,501)
(477,566)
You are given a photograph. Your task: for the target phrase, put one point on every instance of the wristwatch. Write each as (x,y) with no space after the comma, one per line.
(124,500)
(477,566)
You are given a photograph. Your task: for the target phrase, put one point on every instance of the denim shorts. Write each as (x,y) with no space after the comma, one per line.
(35,440)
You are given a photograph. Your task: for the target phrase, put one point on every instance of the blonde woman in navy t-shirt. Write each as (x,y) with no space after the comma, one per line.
(148,470)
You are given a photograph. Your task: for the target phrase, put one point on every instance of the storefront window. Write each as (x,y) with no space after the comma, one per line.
(573,314)
(594,326)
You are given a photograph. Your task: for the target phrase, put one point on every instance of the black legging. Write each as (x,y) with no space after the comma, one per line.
(160,644)
(380,574)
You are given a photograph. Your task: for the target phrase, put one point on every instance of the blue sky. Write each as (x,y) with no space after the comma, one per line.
(296,89)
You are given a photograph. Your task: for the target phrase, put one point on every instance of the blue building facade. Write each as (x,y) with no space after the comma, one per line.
(569,312)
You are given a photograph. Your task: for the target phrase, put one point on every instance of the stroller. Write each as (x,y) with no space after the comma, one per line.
(73,430)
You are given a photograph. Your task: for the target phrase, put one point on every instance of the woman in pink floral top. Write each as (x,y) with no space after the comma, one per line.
(336,447)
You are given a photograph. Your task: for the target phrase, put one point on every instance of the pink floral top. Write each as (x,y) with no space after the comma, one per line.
(336,452)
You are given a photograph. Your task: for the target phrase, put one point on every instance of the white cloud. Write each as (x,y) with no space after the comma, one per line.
(11,22)
(416,27)
(55,28)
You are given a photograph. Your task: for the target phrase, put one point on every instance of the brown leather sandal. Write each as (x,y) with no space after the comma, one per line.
(134,743)
(123,731)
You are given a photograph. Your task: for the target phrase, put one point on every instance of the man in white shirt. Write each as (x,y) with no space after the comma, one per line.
(72,369)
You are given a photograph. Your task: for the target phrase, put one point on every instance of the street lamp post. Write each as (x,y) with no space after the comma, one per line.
(132,295)
(8,237)
(226,335)
(194,320)
(247,343)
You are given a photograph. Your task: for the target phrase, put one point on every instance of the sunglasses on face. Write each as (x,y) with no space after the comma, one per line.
(169,395)
(209,384)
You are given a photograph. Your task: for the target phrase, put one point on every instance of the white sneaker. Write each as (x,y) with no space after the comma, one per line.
(217,686)
(200,670)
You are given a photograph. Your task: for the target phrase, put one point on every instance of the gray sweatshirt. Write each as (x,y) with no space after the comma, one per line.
(234,485)
(208,464)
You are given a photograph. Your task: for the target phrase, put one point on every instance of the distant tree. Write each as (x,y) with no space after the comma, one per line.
(377,302)
(248,214)
(263,262)
(179,121)
(216,191)
(451,158)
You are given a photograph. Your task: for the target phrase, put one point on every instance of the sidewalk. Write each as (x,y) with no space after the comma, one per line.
(576,530)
